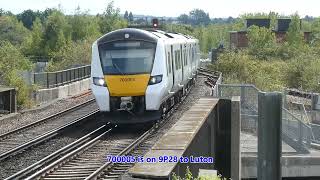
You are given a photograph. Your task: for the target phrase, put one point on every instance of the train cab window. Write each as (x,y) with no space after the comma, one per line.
(127,57)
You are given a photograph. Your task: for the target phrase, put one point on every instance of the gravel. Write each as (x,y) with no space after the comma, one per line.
(18,162)
(27,117)
(200,90)
(33,155)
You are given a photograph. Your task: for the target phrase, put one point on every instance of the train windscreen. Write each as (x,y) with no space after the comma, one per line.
(127,57)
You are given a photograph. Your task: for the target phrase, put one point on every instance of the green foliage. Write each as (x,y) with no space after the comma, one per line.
(315,29)
(294,34)
(209,37)
(275,74)
(196,17)
(33,45)
(262,42)
(12,30)
(71,54)
(27,17)
(57,32)
(111,20)
(188,176)
(83,26)
(12,62)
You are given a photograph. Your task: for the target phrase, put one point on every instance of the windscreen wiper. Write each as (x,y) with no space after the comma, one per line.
(115,65)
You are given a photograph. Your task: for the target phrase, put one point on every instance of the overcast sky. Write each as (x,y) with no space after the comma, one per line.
(172,8)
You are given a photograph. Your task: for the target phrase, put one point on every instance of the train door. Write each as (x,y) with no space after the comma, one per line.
(169,67)
(177,67)
(182,63)
(187,63)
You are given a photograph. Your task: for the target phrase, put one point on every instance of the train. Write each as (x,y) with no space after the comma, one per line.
(138,75)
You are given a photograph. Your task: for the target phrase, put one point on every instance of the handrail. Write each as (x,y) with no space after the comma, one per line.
(64,70)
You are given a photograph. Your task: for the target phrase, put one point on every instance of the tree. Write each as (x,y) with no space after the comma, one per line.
(294,35)
(130,17)
(5,13)
(261,41)
(110,19)
(83,25)
(33,46)
(183,19)
(27,17)
(315,29)
(11,63)
(57,32)
(126,16)
(199,17)
(12,30)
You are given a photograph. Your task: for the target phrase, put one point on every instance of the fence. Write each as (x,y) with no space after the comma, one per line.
(60,78)
(295,132)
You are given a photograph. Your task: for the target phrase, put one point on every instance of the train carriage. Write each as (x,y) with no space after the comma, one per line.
(138,75)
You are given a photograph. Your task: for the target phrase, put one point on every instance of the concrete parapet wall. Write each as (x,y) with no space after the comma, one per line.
(190,136)
(75,88)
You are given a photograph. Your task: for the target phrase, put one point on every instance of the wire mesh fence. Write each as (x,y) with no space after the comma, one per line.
(295,131)
(60,78)
(249,103)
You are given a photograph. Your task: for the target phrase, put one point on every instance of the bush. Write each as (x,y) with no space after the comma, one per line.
(11,63)
(240,67)
(262,42)
(188,176)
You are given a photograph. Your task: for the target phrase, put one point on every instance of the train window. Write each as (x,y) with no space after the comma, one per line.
(169,64)
(185,58)
(176,60)
(179,62)
(123,57)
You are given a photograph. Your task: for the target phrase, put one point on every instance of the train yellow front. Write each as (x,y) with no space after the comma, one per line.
(138,75)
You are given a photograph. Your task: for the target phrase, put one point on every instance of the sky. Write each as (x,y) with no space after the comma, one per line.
(173,8)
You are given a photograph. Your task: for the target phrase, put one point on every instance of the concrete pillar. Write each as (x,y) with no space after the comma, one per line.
(269,136)
(223,138)
(235,138)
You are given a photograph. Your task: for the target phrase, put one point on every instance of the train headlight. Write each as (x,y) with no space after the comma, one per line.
(155,79)
(99,81)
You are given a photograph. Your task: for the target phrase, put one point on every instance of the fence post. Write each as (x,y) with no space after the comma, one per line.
(56,83)
(242,94)
(269,135)
(300,132)
(48,84)
(235,138)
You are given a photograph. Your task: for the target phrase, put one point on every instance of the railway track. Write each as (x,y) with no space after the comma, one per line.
(27,136)
(213,77)
(86,158)
(61,152)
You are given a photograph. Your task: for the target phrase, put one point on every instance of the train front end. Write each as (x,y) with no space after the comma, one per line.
(121,67)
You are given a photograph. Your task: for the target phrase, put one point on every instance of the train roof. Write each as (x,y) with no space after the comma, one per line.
(146,35)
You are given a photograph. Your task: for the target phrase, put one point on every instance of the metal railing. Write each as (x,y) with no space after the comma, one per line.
(295,131)
(60,78)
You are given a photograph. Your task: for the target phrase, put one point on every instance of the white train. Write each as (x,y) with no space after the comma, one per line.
(137,75)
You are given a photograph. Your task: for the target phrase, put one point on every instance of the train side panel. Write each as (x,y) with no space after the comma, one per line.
(101,93)
(155,93)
